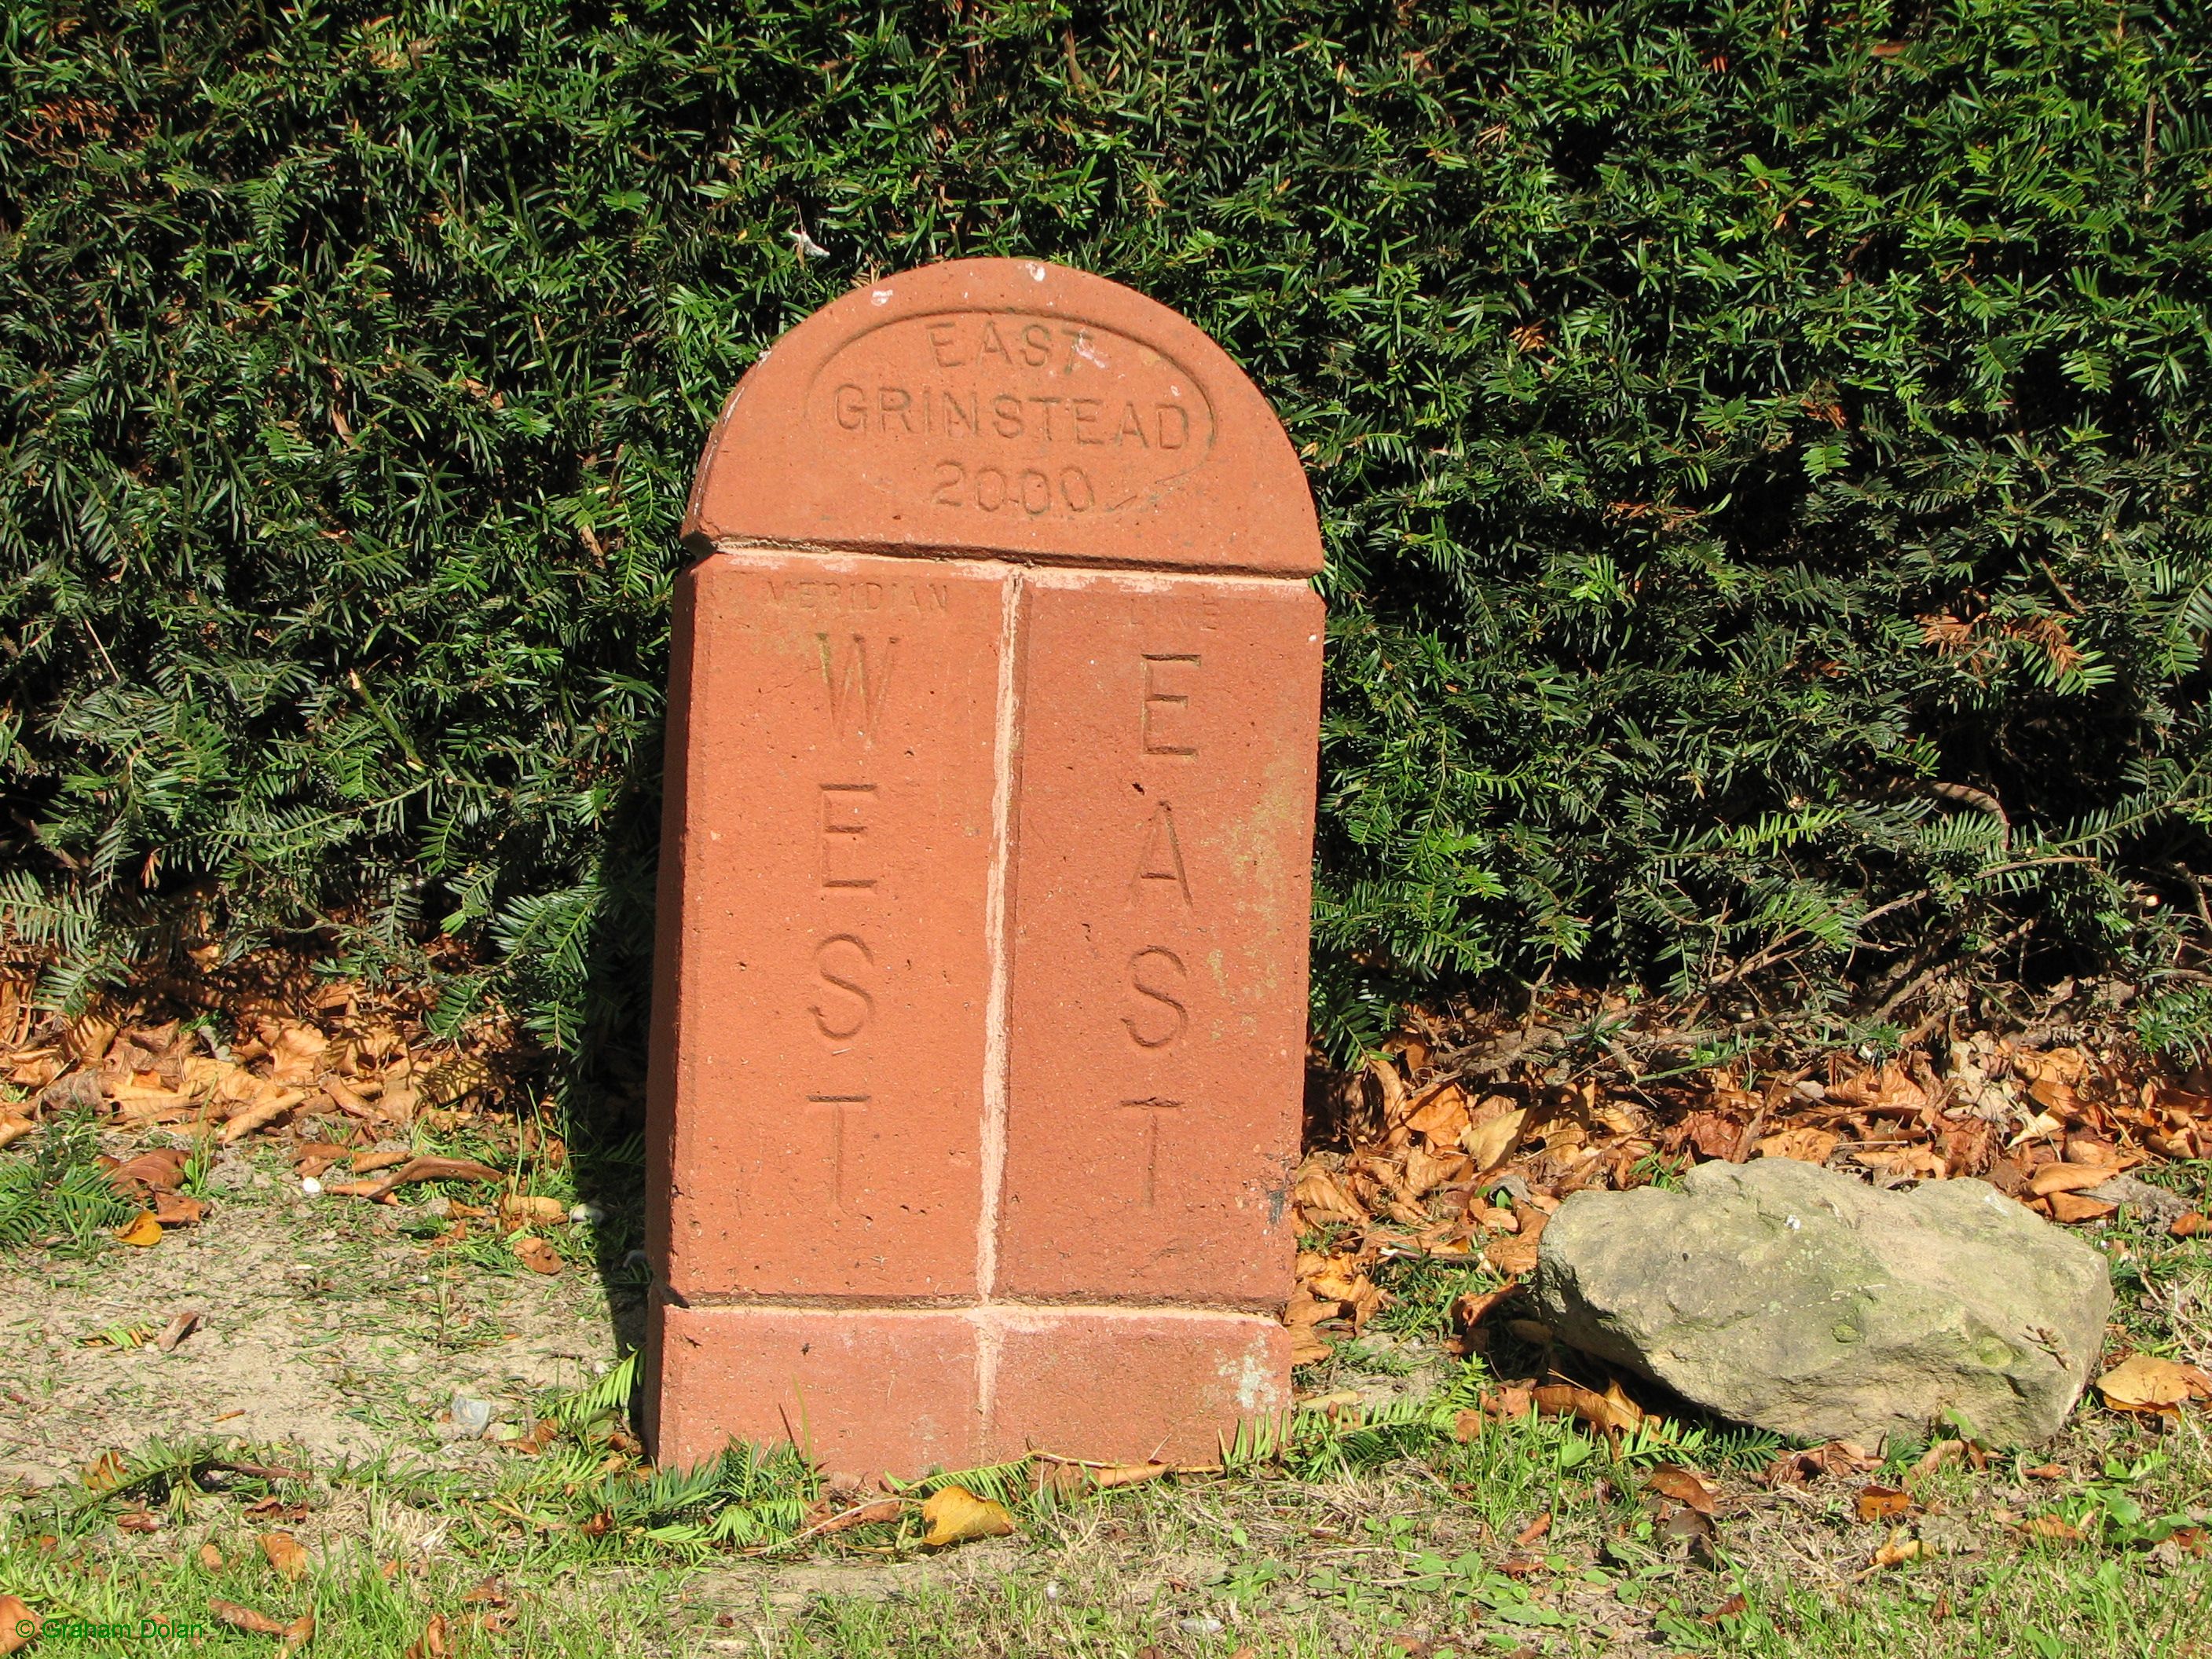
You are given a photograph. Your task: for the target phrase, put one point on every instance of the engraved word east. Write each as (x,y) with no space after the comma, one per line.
(1012,413)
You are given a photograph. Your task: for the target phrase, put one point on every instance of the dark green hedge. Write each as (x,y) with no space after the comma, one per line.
(1762,451)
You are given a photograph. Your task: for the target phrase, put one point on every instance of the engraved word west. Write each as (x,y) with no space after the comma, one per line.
(1016,413)
(857,675)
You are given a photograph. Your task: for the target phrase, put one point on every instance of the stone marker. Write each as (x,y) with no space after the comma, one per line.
(1806,1302)
(979,993)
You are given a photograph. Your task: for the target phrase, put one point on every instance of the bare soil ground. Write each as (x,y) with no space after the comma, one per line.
(324,1326)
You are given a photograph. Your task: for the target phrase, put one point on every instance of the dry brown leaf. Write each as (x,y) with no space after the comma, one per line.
(1806,1146)
(534,1254)
(175,1210)
(138,1105)
(312,1157)
(1474,1307)
(1899,1547)
(860,1515)
(2050,1529)
(1339,1278)
(438,1169)
(355,1189)
(296,1054)
(1887,1090)
(1908,1162)
(1321,1197)
(1612,1410)
(1427,1170)
(346,1100)
(954,1515)
(1512,1256)
(186,1323)
(2048,1472)
(1304,1307)
(34,1068)
(265,1109)
(211,1558)
(1536,1529)
(454,1081)
(368,1163)
(1512,1401)
(1335,1404)
(143,1232)
(161,1171)
(2192,1225)
(1684,1486)
(18,1624)
(1441,1114)
(1307,1347)
(1884,1503)
(13,1128)
(227,1082)
(528,1209)
(1489,1144)
(246,1619)
(1942,1452)
(285,1553)
(2067,1178)
(90,1037)
(1731,1609)
(435,1640)
(1111,1475)
(2079,1207)
(297,1635)
(104,1472)
(2143,1382)
(1837,1457)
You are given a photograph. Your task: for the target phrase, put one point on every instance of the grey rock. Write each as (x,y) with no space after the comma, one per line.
(1946,1534)
(471,1415)
(1809,1304)
(1198,1570)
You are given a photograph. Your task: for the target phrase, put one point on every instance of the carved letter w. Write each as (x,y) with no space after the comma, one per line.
(857,683)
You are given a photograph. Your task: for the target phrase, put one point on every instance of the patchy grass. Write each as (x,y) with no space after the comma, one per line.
(335,1335)
(54,1194)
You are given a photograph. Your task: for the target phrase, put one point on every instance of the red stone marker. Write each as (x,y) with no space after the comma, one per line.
(980,997)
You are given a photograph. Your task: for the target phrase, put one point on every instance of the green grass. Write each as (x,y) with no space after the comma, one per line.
(52,1188)
(1343,1533)
(1340,1538)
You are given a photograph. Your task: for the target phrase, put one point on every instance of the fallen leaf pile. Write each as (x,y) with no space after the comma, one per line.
(339,1076)
(277,1073)
(1434,1157)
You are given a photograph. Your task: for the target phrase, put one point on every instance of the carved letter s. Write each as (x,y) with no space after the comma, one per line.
(1165,999)
(831,975)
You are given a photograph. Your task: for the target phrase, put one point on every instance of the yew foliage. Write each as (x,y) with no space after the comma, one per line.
(1762,449)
